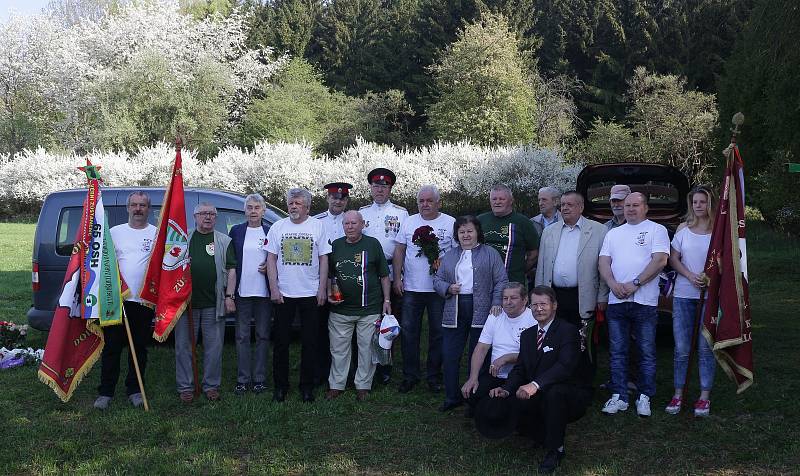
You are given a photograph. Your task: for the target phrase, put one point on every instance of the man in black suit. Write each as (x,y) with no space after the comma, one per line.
(549,379)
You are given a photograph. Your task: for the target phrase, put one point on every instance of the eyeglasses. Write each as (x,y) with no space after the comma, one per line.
(206,214)
(539,305)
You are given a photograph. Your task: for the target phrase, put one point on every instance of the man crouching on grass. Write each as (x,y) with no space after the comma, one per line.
(547,380)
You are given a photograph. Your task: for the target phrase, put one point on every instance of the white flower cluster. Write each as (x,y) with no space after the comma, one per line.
(61,73)
(458,170)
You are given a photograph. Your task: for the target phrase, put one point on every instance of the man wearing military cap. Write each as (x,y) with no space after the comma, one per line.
(338,198)
(382,221)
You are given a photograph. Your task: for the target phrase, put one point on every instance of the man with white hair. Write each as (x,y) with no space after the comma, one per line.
(413,279)
(213,283)
(548,207)
(297,265)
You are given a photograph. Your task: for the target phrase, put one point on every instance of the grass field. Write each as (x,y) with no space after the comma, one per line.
(753,433)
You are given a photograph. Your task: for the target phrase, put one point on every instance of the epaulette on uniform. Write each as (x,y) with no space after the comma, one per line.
(365,206)
(321,215)
(400,207)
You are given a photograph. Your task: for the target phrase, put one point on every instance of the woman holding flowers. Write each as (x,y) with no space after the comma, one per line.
(687,257)
(470,277)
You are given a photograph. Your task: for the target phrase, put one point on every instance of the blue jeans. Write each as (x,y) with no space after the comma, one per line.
(453,341)
(683,318)
(623,319)
(414,305)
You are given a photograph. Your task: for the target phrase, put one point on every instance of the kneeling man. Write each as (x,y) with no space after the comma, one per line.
(546,379)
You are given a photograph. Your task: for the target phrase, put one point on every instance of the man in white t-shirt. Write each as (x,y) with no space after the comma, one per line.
(630,260)
(297,265)
(413,279)
(500,334)
(133,242)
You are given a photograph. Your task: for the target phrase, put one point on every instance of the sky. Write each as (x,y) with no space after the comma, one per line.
(24,7)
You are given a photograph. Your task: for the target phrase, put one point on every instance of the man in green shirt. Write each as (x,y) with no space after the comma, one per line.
(361,274)
(510,233)
(213,271)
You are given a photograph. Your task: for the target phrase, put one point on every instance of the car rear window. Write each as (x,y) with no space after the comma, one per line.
(660,193)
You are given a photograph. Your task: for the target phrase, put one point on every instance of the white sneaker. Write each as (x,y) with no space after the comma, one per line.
(102,402)
(614,405)
(643,405)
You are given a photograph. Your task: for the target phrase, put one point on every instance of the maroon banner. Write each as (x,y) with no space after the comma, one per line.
(73,345)
(726,320)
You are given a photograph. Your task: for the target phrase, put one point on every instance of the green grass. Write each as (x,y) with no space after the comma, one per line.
(753,433)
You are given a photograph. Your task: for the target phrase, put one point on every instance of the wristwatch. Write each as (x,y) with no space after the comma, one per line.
(636,282)
(229,296)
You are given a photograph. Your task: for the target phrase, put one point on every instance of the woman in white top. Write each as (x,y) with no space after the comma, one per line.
(687,258)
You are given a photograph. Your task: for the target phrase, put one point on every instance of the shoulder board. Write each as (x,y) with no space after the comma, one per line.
(365,206)
(321,215)
(398,206)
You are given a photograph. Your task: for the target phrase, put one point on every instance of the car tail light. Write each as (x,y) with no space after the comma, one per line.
(35,276)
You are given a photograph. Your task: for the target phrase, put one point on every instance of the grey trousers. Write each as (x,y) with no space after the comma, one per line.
(340,330)
(252,368)
(213,338)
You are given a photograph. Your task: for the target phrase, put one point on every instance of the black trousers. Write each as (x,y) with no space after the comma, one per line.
(545,416)
(485,383)
(307,308)
(569,311)
(322,360)
(139,319)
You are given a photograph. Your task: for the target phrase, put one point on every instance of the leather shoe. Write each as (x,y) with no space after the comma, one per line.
(551,461)
(308,396)
(362,395)
(447,406)
(279,395)
(212,395)
(406,386)
(332,393)
(386,378)
(469,412)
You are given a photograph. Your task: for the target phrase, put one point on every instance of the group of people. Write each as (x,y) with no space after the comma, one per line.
(515,298)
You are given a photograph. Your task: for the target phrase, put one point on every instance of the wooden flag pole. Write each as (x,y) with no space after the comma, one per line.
(132,349)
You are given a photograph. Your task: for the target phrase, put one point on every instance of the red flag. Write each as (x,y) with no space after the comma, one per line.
(726,321)
(168,280)
(73,345)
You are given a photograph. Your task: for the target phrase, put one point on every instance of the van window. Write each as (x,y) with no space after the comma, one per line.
(70,219)
(226,218)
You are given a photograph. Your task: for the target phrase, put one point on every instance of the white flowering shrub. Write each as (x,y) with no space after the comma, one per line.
(463,173)
(127,78)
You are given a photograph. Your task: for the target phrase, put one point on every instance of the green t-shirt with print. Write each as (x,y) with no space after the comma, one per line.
(204,270)
(512,236)
(358,268)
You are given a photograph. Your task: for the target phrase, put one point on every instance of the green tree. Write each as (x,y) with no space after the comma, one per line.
(285,25)
(483,94)
(666,123)
(760,80)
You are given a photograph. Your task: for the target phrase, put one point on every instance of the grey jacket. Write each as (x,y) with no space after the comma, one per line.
(489,277)
(221,242)
(591,288)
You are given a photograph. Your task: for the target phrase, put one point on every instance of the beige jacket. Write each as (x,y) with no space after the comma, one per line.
(591,287)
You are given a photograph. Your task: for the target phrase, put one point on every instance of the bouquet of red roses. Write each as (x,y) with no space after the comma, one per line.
(428,244)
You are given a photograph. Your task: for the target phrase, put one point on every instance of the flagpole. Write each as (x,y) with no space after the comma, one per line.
(135,359)
(698,316)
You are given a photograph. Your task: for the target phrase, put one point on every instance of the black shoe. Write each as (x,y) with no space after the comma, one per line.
(259,387)
(308,396)
(406,386)
(240,389)
(279,395)
(447,406)
(385,379)
(435,387)
(469,412)
(551,461)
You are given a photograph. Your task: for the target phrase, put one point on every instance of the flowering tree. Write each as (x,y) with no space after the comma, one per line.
(134,76)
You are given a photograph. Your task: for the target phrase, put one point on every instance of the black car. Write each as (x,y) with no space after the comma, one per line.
(61,215)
